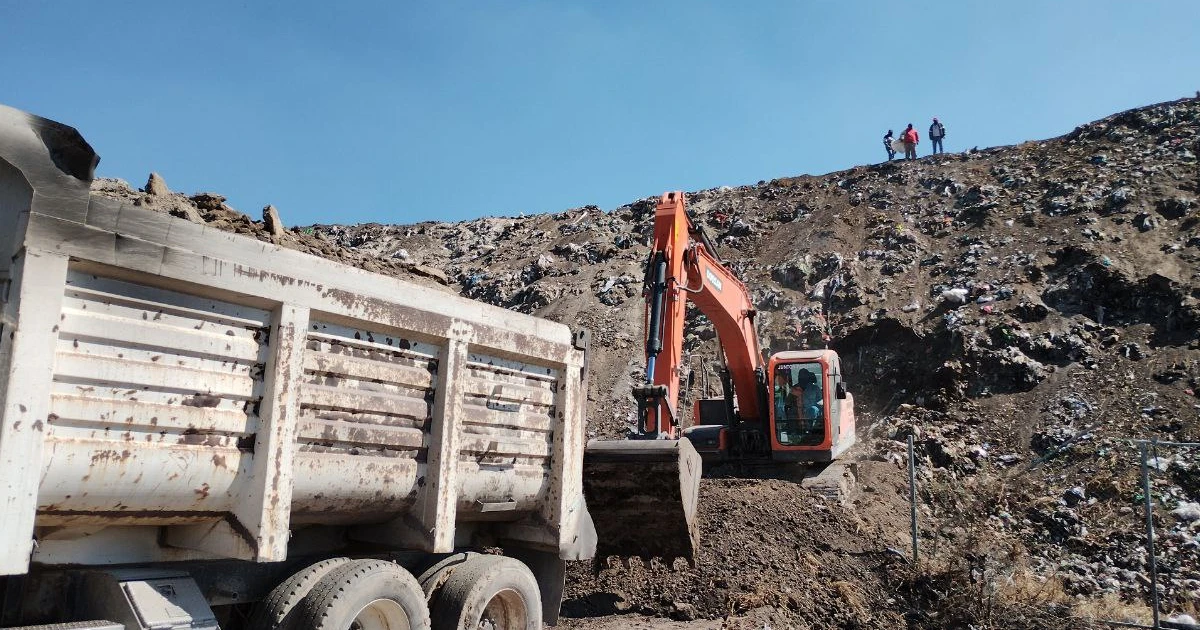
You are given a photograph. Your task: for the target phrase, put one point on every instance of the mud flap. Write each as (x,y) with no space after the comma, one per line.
(642,496)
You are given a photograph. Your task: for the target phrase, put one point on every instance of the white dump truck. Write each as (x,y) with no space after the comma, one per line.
(203,430)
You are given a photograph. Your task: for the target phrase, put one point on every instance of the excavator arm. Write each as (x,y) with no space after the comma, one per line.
(642,492)
(683,266)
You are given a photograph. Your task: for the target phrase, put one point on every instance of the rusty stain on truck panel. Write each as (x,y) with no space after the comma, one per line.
(201,400)
(263,275)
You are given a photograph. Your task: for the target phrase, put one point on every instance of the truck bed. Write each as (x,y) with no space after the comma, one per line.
(174,392)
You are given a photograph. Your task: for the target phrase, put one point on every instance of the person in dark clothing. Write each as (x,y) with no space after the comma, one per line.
(911,139)
(937,131)
(887,145)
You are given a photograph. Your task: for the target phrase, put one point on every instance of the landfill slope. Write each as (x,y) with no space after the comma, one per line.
(1022,311)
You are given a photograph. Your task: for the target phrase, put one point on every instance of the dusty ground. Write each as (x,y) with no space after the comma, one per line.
(766,543)
(761,619)
(1022,311)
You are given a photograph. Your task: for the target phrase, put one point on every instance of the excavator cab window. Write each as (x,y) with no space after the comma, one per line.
(799,404)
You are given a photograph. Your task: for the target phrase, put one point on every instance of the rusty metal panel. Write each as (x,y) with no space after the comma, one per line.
(365,393)
(508,427)
(154,397)
(106,481)
(335,488)
(149,380)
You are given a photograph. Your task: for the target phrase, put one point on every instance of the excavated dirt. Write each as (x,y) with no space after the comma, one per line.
(1023,312)
(210,209)
(767,543)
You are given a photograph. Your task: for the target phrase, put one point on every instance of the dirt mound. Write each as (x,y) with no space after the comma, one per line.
(210,209)
(766,543)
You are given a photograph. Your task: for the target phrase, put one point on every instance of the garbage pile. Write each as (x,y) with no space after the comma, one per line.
(210,209)
(1027,310)
(1024,312)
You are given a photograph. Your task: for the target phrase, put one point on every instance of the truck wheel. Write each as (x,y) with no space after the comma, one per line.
(489,593)
(366,595)
(431,579)
(280,609)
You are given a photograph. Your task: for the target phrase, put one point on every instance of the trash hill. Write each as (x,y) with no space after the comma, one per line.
(1024,312)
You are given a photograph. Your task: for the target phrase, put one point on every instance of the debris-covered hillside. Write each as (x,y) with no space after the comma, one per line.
(1024,311)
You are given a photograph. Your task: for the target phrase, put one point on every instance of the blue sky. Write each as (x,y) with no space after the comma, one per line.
(400,112)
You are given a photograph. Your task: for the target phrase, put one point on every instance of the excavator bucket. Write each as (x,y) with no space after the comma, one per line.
(642,495)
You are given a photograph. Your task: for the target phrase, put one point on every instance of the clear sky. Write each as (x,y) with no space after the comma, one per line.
(398,112)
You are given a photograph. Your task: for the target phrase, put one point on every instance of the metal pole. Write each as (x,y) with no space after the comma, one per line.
(912,495)
(1149,530)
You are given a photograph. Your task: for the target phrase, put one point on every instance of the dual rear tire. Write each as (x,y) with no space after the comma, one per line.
(464,592)
(481,592)
(365,595)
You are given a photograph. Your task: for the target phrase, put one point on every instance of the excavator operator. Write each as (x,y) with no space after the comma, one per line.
(800,414)
(811,401)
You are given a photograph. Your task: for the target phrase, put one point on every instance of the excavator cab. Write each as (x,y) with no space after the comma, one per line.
(812,414)
(808,415)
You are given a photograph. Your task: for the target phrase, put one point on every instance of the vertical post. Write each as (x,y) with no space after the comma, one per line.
(266,508)
(438,499)
(912,495)
(566,460)
(1149,504)
(260,527)
(39,279)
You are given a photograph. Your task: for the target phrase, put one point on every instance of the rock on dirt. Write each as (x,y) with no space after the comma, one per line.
(156,185)
(271,221)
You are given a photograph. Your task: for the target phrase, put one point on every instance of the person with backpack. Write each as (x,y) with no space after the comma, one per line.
(911,139)
(937,131)
(887,145)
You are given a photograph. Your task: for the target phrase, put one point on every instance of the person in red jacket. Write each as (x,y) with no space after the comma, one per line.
(911,139)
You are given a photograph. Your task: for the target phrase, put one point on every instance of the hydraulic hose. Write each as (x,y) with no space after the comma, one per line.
(658,292)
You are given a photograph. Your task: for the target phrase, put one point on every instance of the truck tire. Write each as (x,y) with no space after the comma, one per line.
(431,579)
(280,609)
(365,595)
(489,592)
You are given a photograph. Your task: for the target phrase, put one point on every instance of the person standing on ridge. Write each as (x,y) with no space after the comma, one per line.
(911,139)
(937,131)
(887,145)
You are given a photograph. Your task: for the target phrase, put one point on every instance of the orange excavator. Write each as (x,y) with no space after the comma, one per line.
(792,407)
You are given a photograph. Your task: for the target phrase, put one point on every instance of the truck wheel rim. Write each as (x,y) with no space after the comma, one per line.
(505,611)
(381,614)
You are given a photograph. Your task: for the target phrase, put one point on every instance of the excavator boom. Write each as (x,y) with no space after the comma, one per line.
(684,267)
(642,492)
